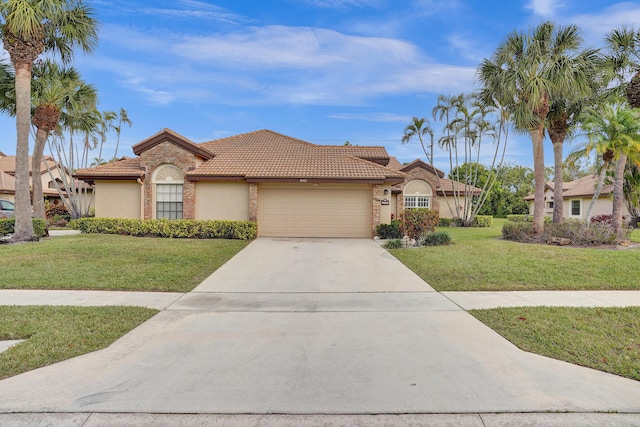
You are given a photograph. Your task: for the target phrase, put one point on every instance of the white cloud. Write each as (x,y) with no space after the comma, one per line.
(344,4)
(279,65)
(544,8)
(597,25)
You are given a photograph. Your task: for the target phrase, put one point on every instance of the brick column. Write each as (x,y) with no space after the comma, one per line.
(189,200)
(253,202)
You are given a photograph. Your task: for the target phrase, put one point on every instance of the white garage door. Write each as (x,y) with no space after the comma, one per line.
(306,211)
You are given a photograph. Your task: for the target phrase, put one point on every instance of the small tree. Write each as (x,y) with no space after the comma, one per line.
(415,223)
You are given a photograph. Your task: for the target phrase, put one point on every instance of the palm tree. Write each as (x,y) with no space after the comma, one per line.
(123,118)
(54,89)
(614,133)
(419,127)
(526,74)
(28,29)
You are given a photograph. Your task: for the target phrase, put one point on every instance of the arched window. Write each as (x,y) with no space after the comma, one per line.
(168,181)
(417,194)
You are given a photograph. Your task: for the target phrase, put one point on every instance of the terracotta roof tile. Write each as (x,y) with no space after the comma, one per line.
(7,183)
(125,167)
(269,155)
(581,187)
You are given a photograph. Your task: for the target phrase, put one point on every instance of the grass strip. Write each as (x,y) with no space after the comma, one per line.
(53,334)
(111,262)
(600,338)
(479,260)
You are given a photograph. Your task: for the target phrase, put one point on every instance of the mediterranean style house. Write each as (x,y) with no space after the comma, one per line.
(290,187)
(8,171)
(577,195)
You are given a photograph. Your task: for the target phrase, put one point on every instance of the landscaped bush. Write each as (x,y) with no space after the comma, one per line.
(482,221)
(7,226)
(389,231)
(180,228)
(416,222)
(519,218)
(393,244)
(444,222)
(438,238)
(601,219)
(578,233)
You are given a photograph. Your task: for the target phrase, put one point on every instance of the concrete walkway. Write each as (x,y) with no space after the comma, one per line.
(309,332)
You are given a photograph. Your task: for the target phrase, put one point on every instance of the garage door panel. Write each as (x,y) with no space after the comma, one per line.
(311,212)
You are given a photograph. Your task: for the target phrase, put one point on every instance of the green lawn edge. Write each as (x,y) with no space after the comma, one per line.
(605,339)
(53,334)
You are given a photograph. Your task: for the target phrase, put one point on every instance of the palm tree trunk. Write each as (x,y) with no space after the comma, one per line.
(558,198)
(23,225)
(618,194)
(538,170)
(36,160)
(596,194)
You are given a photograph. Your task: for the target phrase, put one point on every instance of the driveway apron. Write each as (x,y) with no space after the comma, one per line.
(315,326)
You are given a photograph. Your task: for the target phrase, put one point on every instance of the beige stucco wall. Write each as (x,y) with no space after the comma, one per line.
(118,199)
(603,206)
(387,205)
(222,200)
(448,210)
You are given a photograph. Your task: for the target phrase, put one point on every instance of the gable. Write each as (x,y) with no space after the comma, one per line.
(167,135)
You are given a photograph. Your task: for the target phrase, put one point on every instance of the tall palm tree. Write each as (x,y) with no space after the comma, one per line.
(527,73)
(29,28)
(123,118)
(614,133)
(420,128)
(54,89)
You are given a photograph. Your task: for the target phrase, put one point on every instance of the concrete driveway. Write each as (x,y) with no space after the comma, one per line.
(322,326)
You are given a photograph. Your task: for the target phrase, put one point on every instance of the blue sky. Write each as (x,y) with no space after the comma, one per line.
(325,71)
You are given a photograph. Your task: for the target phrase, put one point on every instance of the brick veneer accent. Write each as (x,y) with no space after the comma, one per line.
(429,178)
(375,217)
(169,153)
(253,202)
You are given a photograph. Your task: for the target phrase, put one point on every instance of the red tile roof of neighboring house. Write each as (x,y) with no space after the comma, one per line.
(8,164)
(579,188)
(7,183)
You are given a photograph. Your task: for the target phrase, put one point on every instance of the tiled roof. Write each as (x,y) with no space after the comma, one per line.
(8,164)
(123,168)
(266,154)
(394,164)
(581,187)
(7,183)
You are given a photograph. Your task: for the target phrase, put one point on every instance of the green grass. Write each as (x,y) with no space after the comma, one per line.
(601,338)
(479,260)
(53,334)
(110,262)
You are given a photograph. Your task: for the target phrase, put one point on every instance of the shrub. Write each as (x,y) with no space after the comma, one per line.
(601,219)
(576,231)
(482,221)
(389,231)
(39,226)
(179,228)
(416,222)
(393,244)
(444,222)
(519,218)
(439,238)
(55,211)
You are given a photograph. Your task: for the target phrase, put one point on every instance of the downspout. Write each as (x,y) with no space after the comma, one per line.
(141,182)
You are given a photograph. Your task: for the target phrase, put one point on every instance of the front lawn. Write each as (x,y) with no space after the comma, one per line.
(600,338)
(479,260)
(115,263)
(53,334)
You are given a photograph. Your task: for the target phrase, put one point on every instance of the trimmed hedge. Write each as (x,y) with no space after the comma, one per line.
(177,228)
(389,231)
(482,221)
(526,218)
(7,226)
(478,221)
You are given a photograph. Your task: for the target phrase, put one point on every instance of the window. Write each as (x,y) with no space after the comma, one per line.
(417,194)
(416,202)
(575,208)
(169,201)
(168,182)
(549,205)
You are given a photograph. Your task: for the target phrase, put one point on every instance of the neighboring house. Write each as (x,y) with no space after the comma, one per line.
(8,171)
(290,187)
(576,198)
